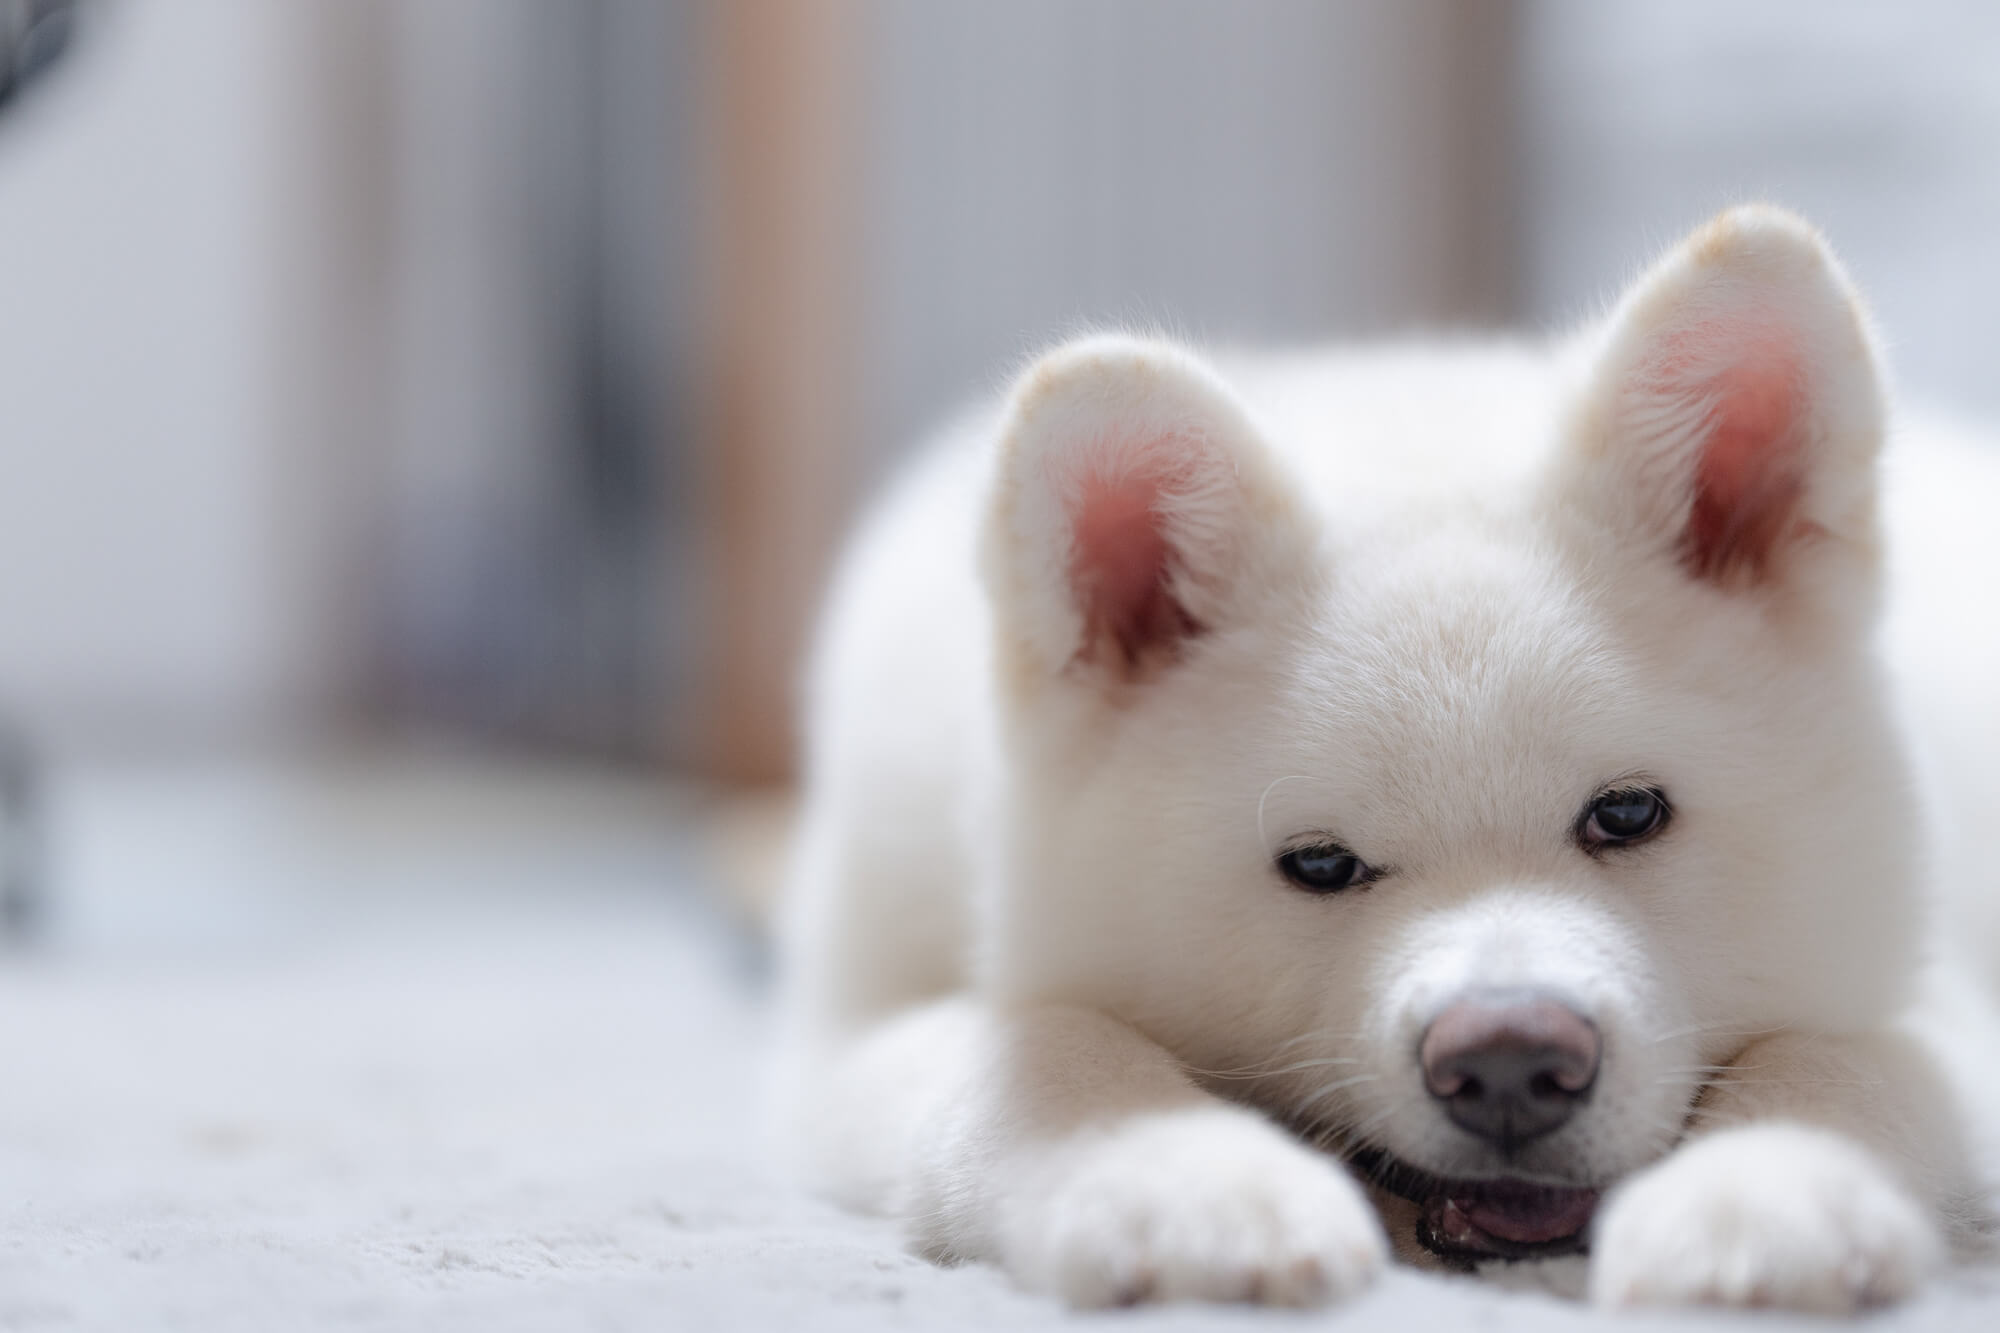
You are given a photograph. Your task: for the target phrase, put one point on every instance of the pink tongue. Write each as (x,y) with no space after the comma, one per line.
(1523,1216)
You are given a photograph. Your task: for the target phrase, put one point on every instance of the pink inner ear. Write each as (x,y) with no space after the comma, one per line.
(1121,568)
(1750,473)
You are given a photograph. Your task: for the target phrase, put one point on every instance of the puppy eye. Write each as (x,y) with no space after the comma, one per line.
(1624,816)
(1324,867)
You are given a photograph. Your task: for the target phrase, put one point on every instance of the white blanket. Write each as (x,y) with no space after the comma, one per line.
(508,1082)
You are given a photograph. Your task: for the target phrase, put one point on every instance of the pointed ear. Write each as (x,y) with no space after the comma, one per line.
(1134,506)
(1734,412)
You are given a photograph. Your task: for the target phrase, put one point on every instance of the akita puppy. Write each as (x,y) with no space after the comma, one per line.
(1264,815)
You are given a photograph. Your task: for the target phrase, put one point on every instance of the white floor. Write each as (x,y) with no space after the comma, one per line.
(440,1047)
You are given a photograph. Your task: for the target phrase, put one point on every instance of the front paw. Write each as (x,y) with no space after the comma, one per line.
(1211,1205)
(1765,1215)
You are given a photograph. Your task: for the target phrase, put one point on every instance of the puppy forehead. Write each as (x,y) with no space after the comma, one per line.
(1465,617)
(1459,670)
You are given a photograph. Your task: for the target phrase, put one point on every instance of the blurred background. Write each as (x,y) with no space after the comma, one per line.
(425,424)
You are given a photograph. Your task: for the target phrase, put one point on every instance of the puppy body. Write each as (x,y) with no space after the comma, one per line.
(1120,643)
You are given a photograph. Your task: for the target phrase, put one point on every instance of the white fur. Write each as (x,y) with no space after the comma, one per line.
(1048,1000)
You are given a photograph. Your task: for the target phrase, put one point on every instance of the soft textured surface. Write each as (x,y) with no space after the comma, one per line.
(437,1050)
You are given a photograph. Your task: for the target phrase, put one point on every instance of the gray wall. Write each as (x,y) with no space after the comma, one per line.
(1267,170)
(1881,122)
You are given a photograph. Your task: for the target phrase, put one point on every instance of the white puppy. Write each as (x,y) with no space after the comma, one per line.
(1446,800)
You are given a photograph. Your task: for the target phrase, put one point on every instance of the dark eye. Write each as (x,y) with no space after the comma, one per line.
(1622,816)
(1324,867)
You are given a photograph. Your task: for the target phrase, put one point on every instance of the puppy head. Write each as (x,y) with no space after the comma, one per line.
(1313,749)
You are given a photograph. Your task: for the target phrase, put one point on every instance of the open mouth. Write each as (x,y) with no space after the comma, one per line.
(1465,1222)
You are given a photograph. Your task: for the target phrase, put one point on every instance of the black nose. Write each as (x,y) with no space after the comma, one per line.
(1509,1065)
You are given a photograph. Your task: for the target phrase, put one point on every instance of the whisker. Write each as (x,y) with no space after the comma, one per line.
(1327,1091)
(1293,1068)
(1322,1034)
(1717,1030)
(1802,1082)
(1329,1036)
(1263,840)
